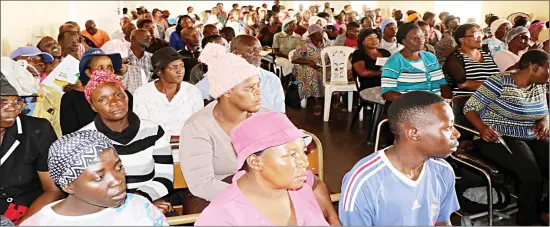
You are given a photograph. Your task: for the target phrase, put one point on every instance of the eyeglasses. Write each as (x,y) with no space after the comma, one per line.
(524,37)
(416,37)
(17,105)
(476,35)
(176,68)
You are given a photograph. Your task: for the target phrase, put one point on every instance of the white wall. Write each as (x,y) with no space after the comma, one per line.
(23,21)
(43,18)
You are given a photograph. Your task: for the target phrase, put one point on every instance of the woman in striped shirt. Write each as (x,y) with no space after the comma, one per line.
(412,69)
(514,106)
(468,67)
(142,145)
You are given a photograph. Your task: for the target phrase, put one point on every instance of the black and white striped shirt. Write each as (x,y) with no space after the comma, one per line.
(473,70)
(145,152)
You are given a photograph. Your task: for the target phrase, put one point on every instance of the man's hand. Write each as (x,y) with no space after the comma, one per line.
(163,206)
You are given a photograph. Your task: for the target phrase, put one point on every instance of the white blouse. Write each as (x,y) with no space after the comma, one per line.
(151,104)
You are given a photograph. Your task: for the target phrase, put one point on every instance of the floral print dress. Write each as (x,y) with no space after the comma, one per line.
(309,80)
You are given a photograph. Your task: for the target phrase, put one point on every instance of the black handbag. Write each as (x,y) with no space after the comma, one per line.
(292,97)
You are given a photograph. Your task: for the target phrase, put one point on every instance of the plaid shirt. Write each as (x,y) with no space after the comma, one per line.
(133,78)
(285,42)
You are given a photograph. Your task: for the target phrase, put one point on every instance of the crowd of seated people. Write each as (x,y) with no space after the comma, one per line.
(97,147)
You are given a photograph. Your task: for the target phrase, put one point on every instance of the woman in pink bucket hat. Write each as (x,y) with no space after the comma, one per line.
(273,185)
(207,157)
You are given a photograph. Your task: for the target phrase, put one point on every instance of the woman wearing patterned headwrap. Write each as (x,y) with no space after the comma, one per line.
(143,145)
(85,164)
(307,61)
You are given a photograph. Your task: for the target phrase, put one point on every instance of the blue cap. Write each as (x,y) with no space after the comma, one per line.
(172,20)
(94,52)
(28,51)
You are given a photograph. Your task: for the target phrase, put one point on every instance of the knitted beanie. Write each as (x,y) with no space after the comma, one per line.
(225,70)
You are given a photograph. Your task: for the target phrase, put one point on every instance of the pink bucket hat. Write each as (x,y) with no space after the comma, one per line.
(262,131)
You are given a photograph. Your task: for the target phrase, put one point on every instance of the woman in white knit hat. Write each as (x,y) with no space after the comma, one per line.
(206,153)
(498,28)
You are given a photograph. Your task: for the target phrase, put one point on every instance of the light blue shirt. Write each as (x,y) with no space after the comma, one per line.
(375,193)
(400,75)
(273,96)
(31,105)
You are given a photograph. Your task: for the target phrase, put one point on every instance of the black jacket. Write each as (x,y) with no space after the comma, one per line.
(28,142)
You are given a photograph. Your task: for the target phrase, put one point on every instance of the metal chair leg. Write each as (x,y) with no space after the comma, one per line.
(489,187)
(377,114)
(356,114)
(378,133)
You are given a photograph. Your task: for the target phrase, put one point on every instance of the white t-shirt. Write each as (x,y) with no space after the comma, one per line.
(154,106)
(419,65)
(135,211)
(390,47)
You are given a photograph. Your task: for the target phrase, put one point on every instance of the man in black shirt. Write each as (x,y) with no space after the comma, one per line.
(191,51)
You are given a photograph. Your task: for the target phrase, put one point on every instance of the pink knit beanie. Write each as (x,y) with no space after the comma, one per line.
(225,70)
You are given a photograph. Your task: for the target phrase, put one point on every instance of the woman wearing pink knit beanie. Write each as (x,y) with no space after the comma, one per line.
(207,158)
(225,70)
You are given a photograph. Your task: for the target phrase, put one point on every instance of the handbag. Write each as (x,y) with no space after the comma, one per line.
(292,96)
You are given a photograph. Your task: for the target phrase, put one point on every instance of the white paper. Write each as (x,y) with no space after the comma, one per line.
(66,72)
(381,61)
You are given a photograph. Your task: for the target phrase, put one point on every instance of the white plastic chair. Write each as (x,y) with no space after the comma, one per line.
(338,56)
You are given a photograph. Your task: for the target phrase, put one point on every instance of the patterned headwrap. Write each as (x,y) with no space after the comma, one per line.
(534,26)
(70,155)
(98,78)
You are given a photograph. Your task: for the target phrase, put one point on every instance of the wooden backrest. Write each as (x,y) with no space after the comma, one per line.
(315,156)
(179,181)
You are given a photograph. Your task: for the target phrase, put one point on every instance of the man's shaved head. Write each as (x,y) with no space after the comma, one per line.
(241,41)
(89,23)
(127,30)
(90,27)
(190,36)
(67,28)
(248,47)
(210,29)
(414,109)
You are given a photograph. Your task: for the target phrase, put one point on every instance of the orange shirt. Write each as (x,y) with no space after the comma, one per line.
(100,37)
